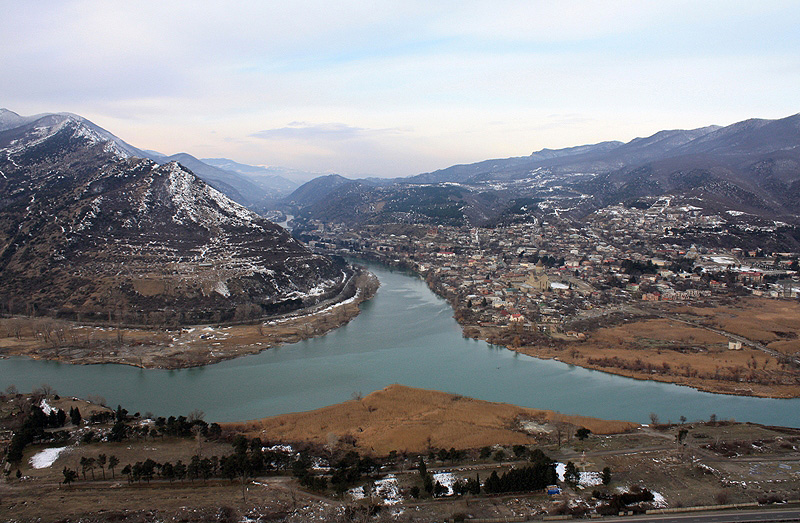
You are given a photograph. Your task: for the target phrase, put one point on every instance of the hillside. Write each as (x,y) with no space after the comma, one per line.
(88,230)
(751,168)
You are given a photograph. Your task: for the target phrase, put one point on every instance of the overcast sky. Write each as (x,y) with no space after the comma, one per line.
(397,88)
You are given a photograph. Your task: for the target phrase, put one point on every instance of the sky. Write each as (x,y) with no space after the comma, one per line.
(396,88)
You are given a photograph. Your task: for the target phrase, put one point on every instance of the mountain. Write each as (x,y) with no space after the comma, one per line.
(318,189)
(10,119)
(233,185)
(751,167)
(271,180)
(506,168)
(89,231)
(239,188)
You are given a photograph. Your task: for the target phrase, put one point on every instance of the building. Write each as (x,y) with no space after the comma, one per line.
(538,280)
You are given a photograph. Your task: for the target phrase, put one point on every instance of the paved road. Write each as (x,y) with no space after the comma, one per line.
(741,516)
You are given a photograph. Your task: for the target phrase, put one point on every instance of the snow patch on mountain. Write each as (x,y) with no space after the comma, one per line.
(191,199)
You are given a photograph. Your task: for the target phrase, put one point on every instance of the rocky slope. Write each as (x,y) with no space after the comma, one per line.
(87,230)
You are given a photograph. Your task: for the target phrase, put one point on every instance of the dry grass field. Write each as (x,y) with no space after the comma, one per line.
(775,323)
(682,349)
(415,420)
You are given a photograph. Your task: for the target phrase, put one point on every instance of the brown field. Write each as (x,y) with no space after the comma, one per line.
(415,420)
(758,319)
(775,323)
(683,350)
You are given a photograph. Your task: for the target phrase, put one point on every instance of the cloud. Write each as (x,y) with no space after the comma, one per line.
(321,132)
(390,87)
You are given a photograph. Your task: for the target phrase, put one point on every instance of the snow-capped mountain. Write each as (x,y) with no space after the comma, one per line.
(88,228)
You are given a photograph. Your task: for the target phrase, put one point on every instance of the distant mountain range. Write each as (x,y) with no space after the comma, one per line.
(91,229)
(751,167)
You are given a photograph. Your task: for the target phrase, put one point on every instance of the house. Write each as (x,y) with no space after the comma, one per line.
(734,345)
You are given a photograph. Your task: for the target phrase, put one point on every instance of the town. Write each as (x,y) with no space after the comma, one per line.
(550,282)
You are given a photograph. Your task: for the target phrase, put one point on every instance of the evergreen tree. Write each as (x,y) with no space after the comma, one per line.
(571,475)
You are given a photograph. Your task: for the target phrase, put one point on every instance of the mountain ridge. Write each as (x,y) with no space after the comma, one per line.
(89,231)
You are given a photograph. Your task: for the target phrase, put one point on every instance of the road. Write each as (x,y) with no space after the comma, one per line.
(744,516)
(745,341)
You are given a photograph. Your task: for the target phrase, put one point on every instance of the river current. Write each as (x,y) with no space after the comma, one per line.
(407,335)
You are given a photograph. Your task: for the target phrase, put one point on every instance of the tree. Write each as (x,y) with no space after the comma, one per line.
(583,433)
(90,463)
(112,464)
(121,414)
(606,476)
(653,419)
(75,416)
(101,462)
(571,475)
(69,476)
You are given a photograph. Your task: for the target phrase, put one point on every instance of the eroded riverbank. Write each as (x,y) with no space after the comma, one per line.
(184,347)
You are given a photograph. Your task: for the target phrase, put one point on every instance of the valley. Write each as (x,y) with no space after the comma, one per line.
(620,258)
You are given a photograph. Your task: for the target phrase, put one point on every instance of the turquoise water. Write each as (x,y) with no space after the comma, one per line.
(406,335)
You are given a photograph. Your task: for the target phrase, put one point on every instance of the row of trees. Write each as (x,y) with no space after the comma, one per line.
(536,476)
(102,461)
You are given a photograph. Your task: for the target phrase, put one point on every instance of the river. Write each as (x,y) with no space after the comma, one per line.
(405,334)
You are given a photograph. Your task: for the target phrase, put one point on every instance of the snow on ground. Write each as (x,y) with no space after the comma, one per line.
(356,493)
(387,489)
(658,500)
(46,408)
(446,479)
(279,448)
(586,479)
(590,479)
(45,458)
(723,260)
(533,427)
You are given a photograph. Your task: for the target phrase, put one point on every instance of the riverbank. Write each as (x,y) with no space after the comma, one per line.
(412,420)
(691,346)
(683,344)
(683,465)
(189,346)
